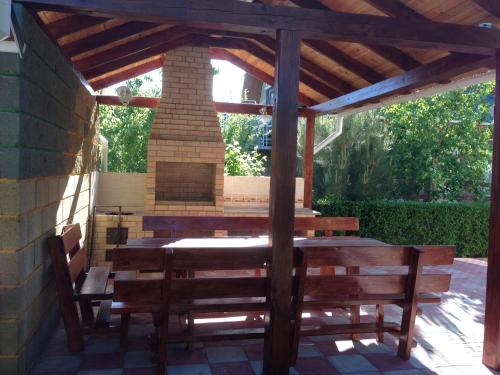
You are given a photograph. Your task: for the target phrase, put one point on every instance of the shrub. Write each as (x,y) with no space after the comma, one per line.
(402,222)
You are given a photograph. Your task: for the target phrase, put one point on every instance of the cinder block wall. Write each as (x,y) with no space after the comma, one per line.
(47,152)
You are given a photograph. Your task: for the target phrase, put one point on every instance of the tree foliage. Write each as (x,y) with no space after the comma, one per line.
(437,146)
(241,134)
(433,146)
(127,130)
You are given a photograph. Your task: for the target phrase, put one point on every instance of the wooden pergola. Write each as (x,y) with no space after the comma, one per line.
(330,56)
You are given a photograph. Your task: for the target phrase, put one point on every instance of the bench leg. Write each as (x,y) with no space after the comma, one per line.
(86,310)
(380,323)
(356,309)
(124,330)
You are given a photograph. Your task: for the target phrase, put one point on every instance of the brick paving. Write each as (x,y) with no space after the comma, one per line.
(449,341)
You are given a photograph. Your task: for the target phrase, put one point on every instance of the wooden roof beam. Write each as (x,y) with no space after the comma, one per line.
(440,70)
(223,107)
(72,24)
(391,54)
(396,8)
(310,23)
(491,6)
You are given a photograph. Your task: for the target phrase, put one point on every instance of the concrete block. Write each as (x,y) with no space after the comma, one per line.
(11,233)
(10,302)
(9,337)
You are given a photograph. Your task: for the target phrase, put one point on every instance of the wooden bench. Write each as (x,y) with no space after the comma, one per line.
(371,287)
(203,226)
(202,294)
(75,285)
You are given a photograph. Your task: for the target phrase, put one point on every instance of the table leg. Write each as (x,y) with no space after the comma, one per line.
(355,309)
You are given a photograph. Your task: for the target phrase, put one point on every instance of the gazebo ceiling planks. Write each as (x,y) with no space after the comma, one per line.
(329,69)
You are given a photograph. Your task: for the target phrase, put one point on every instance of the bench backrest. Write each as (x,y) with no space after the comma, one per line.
(205,285)
(180,226)
(373,281)
(142,290)
(68,260)
(67,256)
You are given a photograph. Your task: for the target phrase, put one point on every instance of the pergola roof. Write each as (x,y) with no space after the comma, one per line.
(109,50)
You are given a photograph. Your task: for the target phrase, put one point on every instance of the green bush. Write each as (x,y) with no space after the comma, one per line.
(402,222)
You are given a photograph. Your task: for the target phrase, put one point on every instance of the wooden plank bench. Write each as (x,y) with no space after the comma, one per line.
(75,285)
(371,287)
(202,294)
(203,226)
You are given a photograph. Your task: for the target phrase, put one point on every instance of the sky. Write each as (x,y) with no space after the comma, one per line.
(227,87)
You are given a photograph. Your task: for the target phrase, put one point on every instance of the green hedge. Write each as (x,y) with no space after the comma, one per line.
(401,222)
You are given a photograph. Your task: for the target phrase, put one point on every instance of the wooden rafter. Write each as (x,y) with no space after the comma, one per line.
(391,54)
(123,51)
(491,6)
(396,8)
(305,77)
(134,71)
(222,54)
(72,24)
(442,69)
(108,36)
(310,66)
(343,59)
(310,23)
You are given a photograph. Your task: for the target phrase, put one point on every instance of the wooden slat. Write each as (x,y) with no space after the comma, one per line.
(71,237)
(343,285)
(338,329)
(77,264)
(72,24)
(107,36)
(95,282)
(145,291)
(235,287)
(130,259)
(211,223)
(369,256)
(221,259)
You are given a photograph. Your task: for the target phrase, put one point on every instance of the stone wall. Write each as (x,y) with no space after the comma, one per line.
(47,155)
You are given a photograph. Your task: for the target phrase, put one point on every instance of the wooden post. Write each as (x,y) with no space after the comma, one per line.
(309,160)
(282,203)
(491,349)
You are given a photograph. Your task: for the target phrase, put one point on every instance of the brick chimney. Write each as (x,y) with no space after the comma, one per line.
(185,150)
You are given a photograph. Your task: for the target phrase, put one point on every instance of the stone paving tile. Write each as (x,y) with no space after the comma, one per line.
(351,364)
(226,354)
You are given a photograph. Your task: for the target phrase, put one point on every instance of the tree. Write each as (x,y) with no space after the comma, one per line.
(241,135)
(127,130)
(357,164)
(437,145)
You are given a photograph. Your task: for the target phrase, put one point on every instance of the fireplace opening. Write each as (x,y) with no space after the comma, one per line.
(185,182)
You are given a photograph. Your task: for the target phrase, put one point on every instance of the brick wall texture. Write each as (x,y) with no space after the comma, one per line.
(47,155)
(186,129)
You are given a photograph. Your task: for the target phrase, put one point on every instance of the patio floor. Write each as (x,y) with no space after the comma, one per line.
(449,338)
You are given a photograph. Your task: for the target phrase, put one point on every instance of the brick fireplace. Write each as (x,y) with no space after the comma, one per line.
(185,150)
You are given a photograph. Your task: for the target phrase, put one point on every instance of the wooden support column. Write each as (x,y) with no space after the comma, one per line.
(309,160)
(491,350)
(277,354)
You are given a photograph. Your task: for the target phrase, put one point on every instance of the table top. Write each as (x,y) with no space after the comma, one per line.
(261,241)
